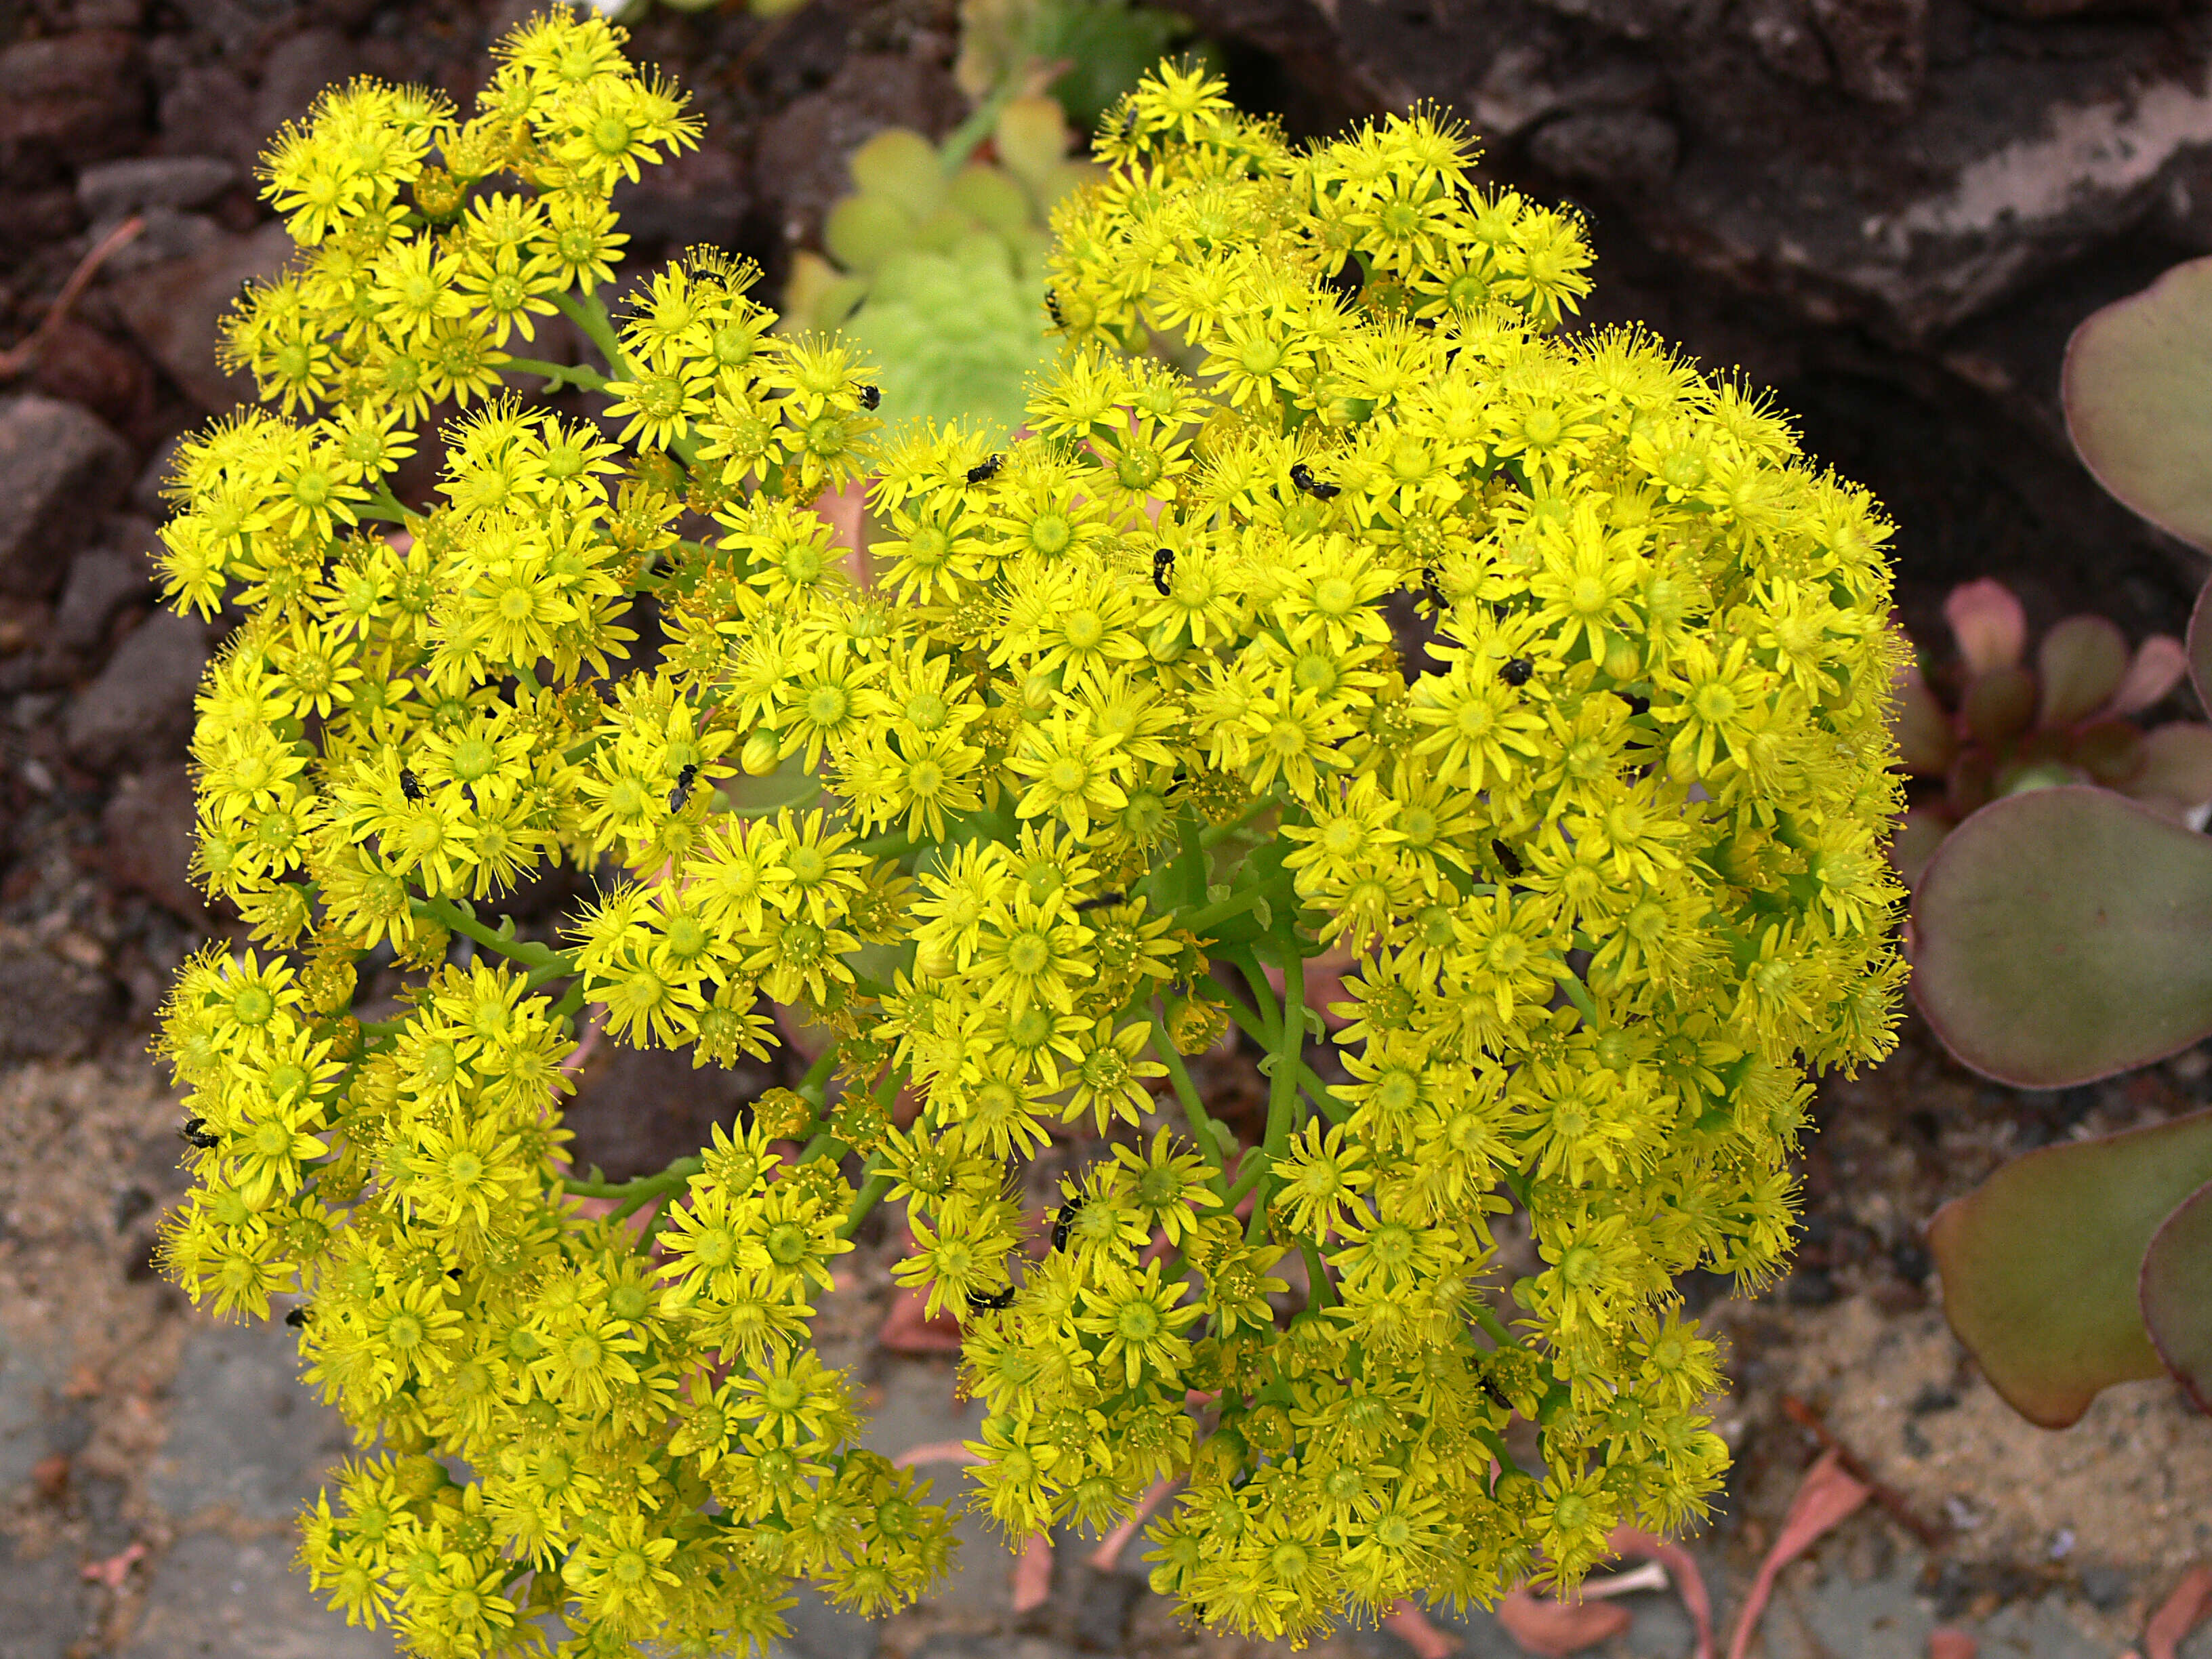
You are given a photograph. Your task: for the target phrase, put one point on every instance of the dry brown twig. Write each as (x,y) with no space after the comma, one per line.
(25,352)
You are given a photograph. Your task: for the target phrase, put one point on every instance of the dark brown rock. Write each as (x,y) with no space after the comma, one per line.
(1627,149)
(799,169)
(61,467)
(69,100)
(51,1008)
(207,110)
(173,309)
(102,579)
(1897,165)
(140,707)
(146,837)
(1879,46)
(701,196)
(295,74)
(183,182)
(637,1110)
(78,364)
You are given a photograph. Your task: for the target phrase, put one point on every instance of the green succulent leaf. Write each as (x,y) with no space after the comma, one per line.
(2138,392)
(2040,1264)
(2176,1294)
(2062,935)
(2081,662)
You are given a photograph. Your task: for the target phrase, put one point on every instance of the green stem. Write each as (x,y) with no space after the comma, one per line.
(384,506)
(1578,993)
(1202,921)
(812,1087)
(590,315)
(1492,1324)
(557,374)
(1214,835)
(1283,1086)
(639,1189)
(529,952)
(1321,1293)
(1193,1110)
(964,139)
(1263,1033)
(863,1201)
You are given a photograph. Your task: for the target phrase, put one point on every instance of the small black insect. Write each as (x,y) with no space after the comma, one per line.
(1064,1221)
(194,1133)
(1505,857)
(1100,902)
(870,396)
(1636,705)
(682,791)
(984,471)
(1490,1386)
(409,784)
(1163,568)
(1434,588)
(297,1318)
(1517,670)
(1052,306)
(1312,486)
(1129,123)
(1569,205)
(990,1301)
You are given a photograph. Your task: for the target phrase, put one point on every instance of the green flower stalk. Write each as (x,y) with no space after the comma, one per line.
(1123,728)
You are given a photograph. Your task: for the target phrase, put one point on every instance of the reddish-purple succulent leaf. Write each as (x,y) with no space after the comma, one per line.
(2160,663)
(1919,833)
(2137,387)
(2175,778)
(2041,1262)
(2176,1294)
(1988,623)
(2081,662)
(2000,706)
(1925,741)
(1971,782)
(2200,647)
(2110,751)
(2063,935)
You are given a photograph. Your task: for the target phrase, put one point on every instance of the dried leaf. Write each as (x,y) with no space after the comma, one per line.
(1689,1583)
(1033,1574)
(1554,1629)
(1417,1631)
(1824,1497)
(2178,1614)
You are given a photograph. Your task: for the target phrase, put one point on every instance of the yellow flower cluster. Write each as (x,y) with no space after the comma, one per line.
(1121,728)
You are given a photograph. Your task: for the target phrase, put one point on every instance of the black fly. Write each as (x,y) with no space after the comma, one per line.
(194,1133)
(1517,670)
(870,396)
(1505,857)
(990,1301)
(297,1318)
(682,791)
(410,785)
(1163,568)
(1064,1220)
(984,471)
(1099,903)
(1312,486)
(1433,587)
